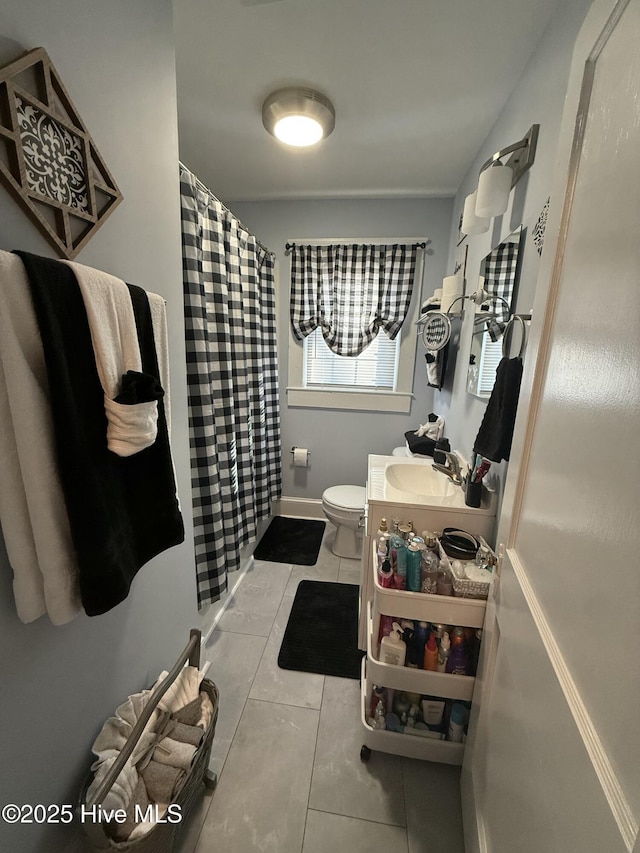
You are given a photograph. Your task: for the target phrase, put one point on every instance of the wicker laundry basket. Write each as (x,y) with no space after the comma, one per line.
(162,838)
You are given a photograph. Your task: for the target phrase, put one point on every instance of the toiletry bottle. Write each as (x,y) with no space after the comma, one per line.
(443,652)
(385,575)
(438,629)
(402,704)
(407,627)
(445,584)
(406,531)
(386,626)
(392,648)
(457,722)
(383,530)
(457,637)
(377,696)
(398,553)
(415,638)
(430,564)
(379,717)
(458,663)
(431,654)
(431,541)
(420,637)
(382,551)
(414,559)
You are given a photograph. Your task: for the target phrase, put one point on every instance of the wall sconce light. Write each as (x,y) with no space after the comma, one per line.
(496,181)
(298,117)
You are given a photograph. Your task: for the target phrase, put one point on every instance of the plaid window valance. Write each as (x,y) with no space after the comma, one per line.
(351,292)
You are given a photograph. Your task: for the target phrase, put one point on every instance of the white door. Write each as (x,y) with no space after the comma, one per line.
(553,762)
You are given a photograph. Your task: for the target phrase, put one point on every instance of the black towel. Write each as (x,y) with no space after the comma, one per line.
(496,430)
(122,510)
(420,443)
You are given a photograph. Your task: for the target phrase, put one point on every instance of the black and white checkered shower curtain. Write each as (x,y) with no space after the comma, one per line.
(232,379)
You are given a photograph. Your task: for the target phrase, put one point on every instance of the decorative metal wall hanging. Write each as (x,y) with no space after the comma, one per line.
(50,163)
(540,227)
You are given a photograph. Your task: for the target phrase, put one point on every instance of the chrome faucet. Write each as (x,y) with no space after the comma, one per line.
(451,469)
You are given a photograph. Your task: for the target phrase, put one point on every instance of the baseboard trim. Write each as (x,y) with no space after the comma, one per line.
(298,507)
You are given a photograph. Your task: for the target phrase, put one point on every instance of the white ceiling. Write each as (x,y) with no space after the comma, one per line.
(416,85)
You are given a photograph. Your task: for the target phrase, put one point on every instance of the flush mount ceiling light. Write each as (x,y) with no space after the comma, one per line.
(496,181)
(298,116)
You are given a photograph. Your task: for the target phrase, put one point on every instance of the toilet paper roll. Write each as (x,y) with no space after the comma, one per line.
(452,287)
(300,457)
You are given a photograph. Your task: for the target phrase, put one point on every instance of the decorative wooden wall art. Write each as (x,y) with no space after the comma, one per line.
(48,160)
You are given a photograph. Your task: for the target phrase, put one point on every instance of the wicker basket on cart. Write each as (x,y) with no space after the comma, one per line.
(464,587)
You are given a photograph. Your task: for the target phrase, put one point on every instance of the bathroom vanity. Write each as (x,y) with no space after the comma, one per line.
(409,489)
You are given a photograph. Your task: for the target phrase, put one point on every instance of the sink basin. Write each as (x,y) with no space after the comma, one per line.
(419,481)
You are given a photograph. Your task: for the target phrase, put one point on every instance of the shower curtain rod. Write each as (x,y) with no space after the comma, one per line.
(389,241)
(206,189)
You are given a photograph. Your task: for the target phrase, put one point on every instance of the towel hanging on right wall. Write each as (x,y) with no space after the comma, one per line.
(496,430)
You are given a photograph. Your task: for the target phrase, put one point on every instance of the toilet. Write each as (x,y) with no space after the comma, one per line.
(344,507)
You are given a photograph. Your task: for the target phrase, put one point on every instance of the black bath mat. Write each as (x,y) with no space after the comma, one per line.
(291,540)
(322,632)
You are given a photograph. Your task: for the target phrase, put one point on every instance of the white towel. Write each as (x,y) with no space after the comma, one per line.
(32,507)
(130,428)
(158,309)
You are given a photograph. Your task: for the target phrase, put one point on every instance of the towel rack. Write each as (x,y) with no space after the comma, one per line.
(191,653)
(509,327)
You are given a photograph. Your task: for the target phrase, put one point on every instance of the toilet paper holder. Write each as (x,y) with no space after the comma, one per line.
(300,457)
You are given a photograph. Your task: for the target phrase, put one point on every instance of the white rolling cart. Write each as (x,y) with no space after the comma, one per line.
(448,610)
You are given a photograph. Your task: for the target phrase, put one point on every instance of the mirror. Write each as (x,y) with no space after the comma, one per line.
(498,278)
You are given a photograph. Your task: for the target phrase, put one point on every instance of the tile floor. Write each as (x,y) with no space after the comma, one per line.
(287,746)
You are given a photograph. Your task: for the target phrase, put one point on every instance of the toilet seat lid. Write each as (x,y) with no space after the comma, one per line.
(349,497)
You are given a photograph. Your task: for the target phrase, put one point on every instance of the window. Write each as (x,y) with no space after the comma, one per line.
(374,369)
(379,379)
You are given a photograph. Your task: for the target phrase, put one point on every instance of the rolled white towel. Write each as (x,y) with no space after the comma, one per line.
(114,336)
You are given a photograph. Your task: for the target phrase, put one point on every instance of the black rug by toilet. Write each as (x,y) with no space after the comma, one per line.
(291,540)
(322,632)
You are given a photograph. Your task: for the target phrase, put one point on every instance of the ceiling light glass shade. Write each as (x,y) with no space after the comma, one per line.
(472,224)
(494,186)
(298,131)
(298,117)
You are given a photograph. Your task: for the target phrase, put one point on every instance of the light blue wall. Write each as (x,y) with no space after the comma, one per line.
(537,98)
(57,685)
(340,441)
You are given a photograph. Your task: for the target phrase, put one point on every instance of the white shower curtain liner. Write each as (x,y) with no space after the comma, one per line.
(232,378)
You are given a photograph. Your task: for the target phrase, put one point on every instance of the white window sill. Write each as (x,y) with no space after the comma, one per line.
(366,401)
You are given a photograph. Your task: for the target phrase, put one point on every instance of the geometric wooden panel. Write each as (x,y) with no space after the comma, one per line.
(48,161)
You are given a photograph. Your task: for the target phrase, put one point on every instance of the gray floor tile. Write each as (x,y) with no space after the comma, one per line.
(255,604)
(325,571)
(349,575)
(192,827)
(261,800)
(234,663)
(342,783)
(285,686)
(328,832)
(434,817)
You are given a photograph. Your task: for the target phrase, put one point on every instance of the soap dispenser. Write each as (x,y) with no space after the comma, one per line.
(392,648)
